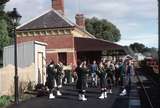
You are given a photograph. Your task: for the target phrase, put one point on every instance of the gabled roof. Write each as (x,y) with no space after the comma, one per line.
(49,20)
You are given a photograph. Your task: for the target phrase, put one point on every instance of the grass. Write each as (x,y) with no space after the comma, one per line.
(5,101)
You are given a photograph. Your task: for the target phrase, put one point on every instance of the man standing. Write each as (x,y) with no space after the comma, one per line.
(93,70)
(82,72)
(110,72)
(52,79)
(59,76)
(51,75)
(126,77)
(122,70)
(102,75)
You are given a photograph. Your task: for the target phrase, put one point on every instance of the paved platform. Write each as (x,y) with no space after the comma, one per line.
(69,99)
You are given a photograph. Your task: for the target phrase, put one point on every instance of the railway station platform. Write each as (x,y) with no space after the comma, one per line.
(69,99)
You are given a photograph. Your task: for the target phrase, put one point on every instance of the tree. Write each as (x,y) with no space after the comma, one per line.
(151,52)
(103,29)
(2,2)
(137,47)
(140,48)
(129,50)
(4,36)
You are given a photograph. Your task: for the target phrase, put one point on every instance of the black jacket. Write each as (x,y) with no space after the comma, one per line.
(51,71)
(82,78)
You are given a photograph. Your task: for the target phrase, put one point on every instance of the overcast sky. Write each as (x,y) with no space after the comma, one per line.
(136,19)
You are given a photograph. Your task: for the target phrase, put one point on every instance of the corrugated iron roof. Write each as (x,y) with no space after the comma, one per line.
(90,44)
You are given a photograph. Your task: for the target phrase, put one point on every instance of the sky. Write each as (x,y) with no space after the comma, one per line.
(136,19)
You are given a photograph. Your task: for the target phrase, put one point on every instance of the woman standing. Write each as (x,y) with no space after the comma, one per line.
(102,75)
(82,72)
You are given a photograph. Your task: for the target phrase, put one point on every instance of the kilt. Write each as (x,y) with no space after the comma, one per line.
(58,80)
(51,83)
(103,82)
(51,75)
(81,84)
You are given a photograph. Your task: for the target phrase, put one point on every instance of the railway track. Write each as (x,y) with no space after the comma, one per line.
(149,89)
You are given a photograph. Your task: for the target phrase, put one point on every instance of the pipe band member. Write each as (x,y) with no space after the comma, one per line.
(59,75)
(110,72)
(102,75)
(82,80)
(51,75)
(51,79)
(117,74)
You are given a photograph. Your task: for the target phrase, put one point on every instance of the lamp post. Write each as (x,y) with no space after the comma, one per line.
(15,18)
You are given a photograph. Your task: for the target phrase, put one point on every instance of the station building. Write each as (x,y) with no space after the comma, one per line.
(66,41)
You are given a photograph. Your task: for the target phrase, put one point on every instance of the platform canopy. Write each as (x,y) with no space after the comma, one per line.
(91,44)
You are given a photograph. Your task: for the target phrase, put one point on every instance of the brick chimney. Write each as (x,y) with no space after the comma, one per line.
(80,20)
(58,5)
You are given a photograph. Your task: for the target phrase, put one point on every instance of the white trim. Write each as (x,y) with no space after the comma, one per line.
(60,50)
(92,36)
(40,43)
(85,31)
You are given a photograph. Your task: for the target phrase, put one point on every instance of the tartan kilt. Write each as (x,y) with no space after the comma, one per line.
(51,83)
(81,84)
(103,82)
(58,80)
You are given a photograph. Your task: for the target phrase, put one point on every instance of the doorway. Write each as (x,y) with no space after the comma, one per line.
(63,58)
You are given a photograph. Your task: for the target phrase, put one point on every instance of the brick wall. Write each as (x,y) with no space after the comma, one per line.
(58,5)
(52,41)
(52,56)
(72,58)
(56,42)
